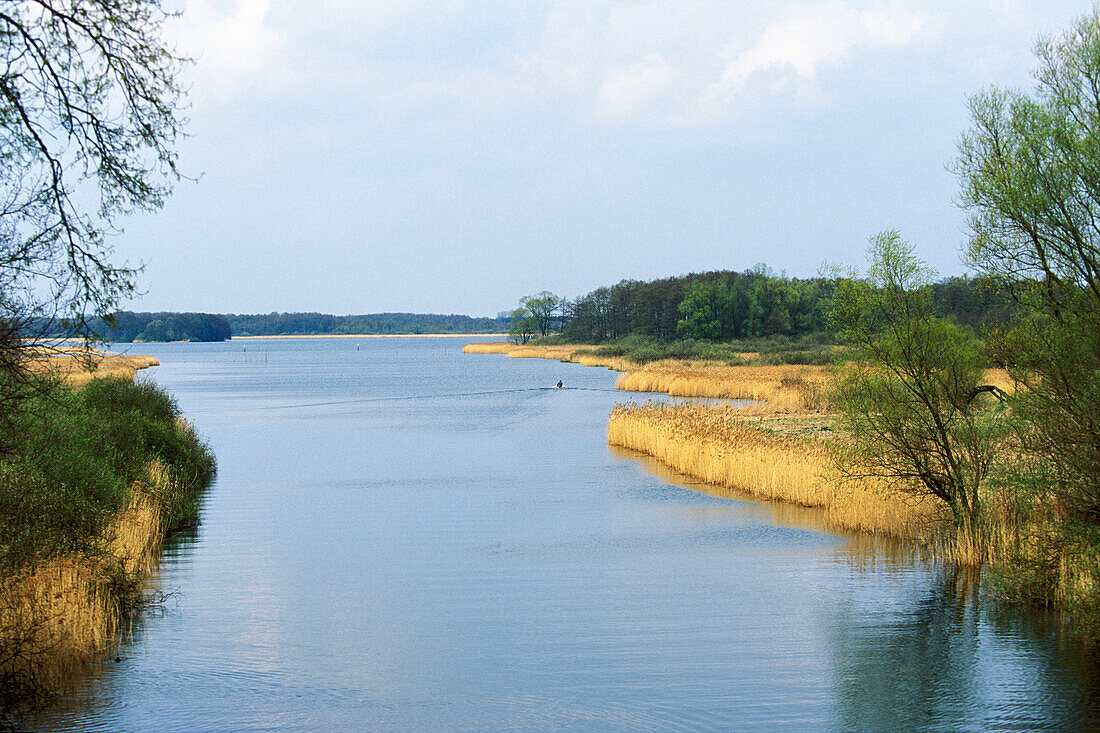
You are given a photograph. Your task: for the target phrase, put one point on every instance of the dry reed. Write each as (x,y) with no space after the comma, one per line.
(784,388)
(61,615)
(78,367)
(719,447)
(491,347)
(567,353)
(557,353)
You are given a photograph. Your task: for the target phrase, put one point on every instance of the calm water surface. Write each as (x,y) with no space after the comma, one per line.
(403,537)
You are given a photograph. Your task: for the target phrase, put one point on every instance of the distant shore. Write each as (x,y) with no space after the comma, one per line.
(373,336)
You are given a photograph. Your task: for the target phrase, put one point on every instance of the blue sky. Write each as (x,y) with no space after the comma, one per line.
(395,155)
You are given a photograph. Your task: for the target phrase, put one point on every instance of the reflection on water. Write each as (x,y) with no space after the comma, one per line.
(941,645)
(858,546)
(974,668)
(407,538)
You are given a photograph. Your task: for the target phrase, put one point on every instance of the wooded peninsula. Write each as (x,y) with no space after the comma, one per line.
(129,327)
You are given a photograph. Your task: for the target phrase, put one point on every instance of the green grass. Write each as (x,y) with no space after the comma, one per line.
(816,349)
(78,455)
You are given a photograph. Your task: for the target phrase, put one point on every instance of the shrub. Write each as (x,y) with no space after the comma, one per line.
(77,458)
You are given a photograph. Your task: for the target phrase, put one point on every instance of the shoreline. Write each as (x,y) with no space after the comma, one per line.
(64,602)
(78,367)
(783,447)
(775,449)
(370,336)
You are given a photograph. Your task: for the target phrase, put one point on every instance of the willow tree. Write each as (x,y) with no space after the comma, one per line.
(1030,173)
(89,118)
(909,399)
(535,315)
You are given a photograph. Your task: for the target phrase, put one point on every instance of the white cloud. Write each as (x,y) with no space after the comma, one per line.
(662,63)
(230,41)
(628,89)
(805,42)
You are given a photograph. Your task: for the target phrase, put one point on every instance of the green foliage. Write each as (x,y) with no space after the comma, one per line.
(118,397)
(79,456)
(521,326)
(699,308)
(711,306)
(908,395)
(89,117)
(127,326)
(306,324)
(749,306)
(60,489)
(1030,173)
(537,316)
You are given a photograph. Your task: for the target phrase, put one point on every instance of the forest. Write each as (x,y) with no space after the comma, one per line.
(315,324)
(724,306)
(128,326)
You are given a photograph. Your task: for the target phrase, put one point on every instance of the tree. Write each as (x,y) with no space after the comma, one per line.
(1030,173)
(522,325)
(89,117)
(909,399)
(699,311)
(543,309)
(535,314)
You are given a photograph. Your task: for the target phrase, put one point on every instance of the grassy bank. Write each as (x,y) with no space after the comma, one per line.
(809,349)
(780,447)
(100,473)
(814,350)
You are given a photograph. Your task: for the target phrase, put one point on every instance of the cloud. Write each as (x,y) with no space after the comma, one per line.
(230,41)
(626,90)
(662,64)
(805,42)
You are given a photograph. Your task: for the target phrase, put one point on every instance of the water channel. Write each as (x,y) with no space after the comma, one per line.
(403,537)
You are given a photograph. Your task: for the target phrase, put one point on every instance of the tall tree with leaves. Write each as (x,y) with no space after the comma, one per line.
(536,315)
(1030,173)
(89,118)
(909,398)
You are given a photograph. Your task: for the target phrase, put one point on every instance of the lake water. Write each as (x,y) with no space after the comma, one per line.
(403,537)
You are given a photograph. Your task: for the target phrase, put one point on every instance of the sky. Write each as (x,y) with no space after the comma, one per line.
(450,157)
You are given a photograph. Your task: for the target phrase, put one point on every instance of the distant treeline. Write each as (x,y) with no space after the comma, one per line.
(127,326)
(712,306)
(726,305)
(312,324)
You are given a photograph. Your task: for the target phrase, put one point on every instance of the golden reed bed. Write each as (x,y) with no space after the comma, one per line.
(61,616)
(566,353)
(784,388)
(717,446)
(78,367)
(775,448)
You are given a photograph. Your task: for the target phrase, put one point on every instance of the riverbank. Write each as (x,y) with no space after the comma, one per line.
(368,336)
(101,469)
(77,366)
(780,447)
(781,389)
